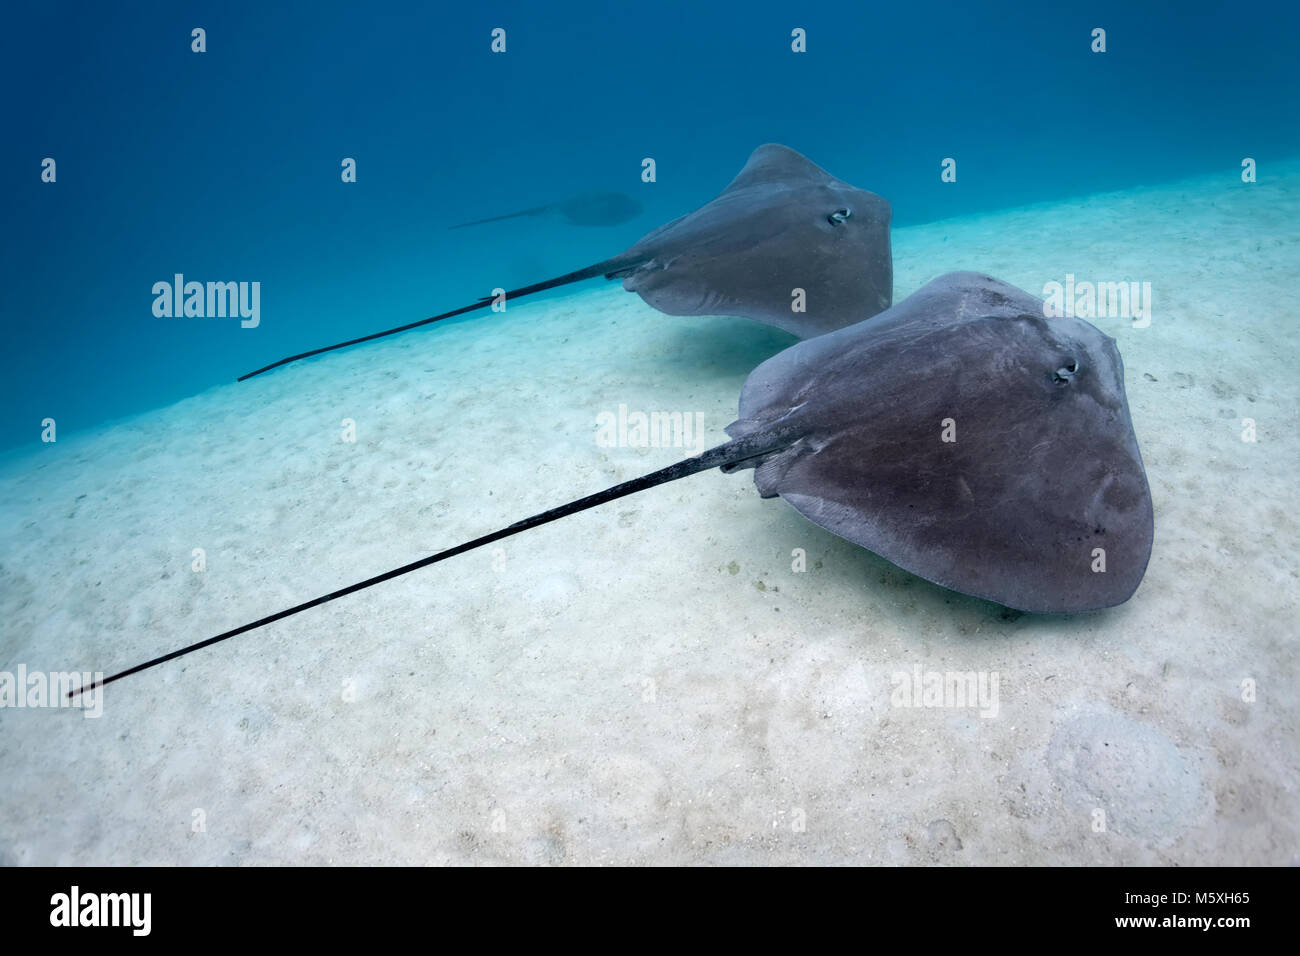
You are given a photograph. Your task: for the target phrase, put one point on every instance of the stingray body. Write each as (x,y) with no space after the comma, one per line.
(783,224)
(961,435)
(786,244)
(968,439)
(586,209)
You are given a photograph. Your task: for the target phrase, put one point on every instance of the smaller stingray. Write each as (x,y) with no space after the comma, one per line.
(961,435)
(586,209)
(783,223)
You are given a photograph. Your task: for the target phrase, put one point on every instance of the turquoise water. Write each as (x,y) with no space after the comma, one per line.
(225,165)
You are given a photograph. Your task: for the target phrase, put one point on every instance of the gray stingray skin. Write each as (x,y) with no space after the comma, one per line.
(769,232)
(1041,474)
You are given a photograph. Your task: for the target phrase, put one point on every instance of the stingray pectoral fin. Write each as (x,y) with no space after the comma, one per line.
(591,272)
(744,449)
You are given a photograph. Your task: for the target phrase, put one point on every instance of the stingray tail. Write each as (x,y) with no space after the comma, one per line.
(535,211)
(722,456)
(609,268)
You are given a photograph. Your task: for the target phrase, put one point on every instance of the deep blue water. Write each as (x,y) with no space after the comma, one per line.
(225,165)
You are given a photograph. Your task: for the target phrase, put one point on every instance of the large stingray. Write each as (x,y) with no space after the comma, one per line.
(585,209)
(783,223)
(961,435)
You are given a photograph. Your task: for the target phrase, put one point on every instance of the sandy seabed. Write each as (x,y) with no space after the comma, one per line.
(651,682)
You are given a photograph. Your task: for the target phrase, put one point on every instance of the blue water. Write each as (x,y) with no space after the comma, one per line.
(225,165)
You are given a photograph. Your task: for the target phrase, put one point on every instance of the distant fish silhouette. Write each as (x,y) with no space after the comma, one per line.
(585,209)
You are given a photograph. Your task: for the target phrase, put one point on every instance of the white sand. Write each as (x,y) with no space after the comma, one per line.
(650,682)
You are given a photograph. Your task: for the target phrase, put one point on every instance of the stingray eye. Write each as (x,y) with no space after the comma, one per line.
(838,216)
(1066,372)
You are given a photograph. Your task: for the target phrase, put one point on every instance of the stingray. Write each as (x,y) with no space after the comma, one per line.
(586,209)
(783,224)
(961,435)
